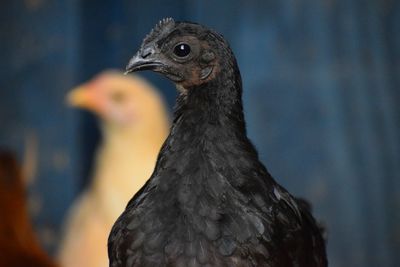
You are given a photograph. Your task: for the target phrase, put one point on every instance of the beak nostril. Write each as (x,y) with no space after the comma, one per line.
(147,52)
(144,55)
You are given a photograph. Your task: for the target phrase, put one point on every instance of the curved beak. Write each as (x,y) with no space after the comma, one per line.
(150,59)
(145,59)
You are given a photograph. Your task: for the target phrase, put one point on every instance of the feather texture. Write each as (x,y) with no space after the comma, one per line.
(210,200)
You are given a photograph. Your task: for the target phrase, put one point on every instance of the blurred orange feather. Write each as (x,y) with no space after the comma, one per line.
(19,246)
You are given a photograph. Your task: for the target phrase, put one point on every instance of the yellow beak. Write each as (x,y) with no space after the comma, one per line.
(81,97)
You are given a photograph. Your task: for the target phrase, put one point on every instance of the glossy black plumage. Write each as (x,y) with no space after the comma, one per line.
(210,201)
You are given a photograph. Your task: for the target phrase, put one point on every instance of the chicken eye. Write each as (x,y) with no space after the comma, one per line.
(117,97)
(182,50)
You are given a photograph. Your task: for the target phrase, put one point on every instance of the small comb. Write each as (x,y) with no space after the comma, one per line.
(160,27)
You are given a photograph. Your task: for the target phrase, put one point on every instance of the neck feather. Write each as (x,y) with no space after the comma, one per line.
(215,103)
(209,123)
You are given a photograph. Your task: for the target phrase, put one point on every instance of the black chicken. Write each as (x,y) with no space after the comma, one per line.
(18,244)
(210,201)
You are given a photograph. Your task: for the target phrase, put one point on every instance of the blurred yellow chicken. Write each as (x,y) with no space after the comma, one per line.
(134,125)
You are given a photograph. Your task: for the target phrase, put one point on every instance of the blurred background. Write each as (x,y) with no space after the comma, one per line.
(321,99)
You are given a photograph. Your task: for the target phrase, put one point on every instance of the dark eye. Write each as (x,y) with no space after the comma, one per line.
(182,50)
(117,97)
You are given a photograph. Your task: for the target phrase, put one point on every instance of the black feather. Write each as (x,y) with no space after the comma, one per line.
(210,201)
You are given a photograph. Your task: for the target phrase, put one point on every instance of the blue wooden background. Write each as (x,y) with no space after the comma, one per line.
(322,101)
